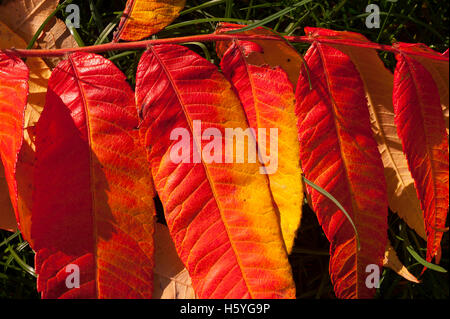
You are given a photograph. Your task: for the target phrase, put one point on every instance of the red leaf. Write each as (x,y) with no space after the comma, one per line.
(421,127)
(338,153)
(220,216)
(13,100)
(93,198)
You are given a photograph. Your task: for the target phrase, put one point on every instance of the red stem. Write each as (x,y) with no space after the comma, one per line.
(207,38)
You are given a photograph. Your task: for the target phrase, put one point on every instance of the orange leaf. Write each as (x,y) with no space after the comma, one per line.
(268,99)
(93,198)
(142,18)
(220,215)
(272,53)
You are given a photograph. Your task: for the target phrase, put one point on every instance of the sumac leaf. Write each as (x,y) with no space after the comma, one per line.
(13,100)
(421,127)
(220,215)
(438,69)
(268,99)
(339,154)
(378,86)
(93,199)
(39,73)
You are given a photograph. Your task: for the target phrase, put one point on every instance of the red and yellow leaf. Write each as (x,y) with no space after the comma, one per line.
(272,53)
(142,18)
(268,99)
(93,197)
(421,127)
(220,215)
(339,154)
(13,100)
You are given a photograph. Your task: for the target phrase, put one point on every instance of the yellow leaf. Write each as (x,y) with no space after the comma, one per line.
(142,18)
(171,279)
(268,99)
(391,261)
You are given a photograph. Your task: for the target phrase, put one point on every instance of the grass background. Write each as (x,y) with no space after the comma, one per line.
(404,20)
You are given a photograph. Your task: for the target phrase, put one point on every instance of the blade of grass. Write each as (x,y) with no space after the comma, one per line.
(198,21)
(203,47)
(385,22)
(46,21)
(272,17)
(336,202)
(229,9)
(202,6)
(21,263)
(7,240)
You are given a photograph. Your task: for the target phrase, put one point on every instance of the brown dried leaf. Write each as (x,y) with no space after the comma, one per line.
(24,17)
(391,261)
(56,36)
(171,279)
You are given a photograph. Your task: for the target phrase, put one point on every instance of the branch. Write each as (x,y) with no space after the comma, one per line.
(25,53)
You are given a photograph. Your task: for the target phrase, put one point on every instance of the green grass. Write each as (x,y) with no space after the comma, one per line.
(405,20)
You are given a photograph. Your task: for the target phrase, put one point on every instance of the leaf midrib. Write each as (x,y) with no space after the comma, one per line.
(91,174)
(208,176)
(333,104)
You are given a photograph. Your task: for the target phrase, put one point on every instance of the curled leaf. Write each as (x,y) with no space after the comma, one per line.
(391,261)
